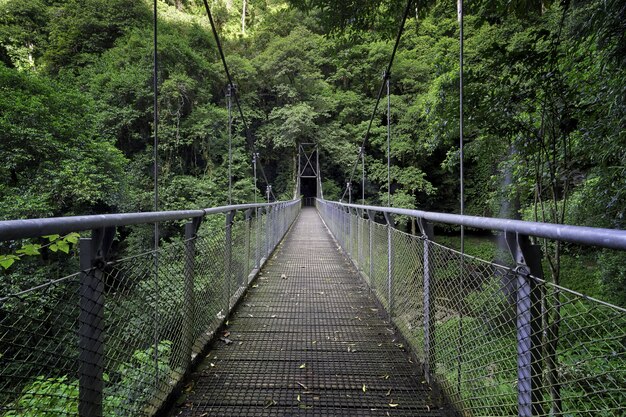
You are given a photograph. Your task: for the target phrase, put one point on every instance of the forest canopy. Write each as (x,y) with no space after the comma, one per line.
(545,104)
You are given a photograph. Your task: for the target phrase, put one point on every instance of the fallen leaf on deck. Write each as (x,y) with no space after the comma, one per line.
(226,340)
(393,405)
(303,366)
(364,388)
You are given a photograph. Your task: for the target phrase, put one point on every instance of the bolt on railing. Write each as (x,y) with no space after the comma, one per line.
(498,340)
(118,337)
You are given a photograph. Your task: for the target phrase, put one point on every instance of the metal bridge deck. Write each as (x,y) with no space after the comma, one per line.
(308,339)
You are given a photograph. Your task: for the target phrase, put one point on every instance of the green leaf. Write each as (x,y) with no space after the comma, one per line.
(7,260)
(54,247)
(72,238)
(51,238)
(63,246)
(30,250)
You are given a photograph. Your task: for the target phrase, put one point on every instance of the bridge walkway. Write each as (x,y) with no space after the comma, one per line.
(308,339)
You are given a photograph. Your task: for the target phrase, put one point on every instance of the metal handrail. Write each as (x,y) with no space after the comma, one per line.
(18,229)
(606,238)
(166,304)
(497,340)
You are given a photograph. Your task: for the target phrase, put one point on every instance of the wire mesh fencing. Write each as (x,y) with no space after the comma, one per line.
(497,340)
(118,337)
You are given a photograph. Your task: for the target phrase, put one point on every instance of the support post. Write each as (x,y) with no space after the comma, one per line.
(228,260)
(93,255)
(370,218)
(529,333)
(189,293)
(426,229)
(389,220)
(359,238)
(267,231)
(248,244)
(350,242)
(91,327)
(259,223)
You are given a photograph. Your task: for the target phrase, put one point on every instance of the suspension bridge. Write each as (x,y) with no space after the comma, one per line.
(304,307)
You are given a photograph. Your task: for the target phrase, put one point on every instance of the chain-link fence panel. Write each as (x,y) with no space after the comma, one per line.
(379,277)
(39,350)
(144,353)
(497,341)
(408,289)
(473,349)
(116,338)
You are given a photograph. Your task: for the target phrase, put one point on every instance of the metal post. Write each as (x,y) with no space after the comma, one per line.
(255,157)
(231,89)
(370,220)
(529,349)
(362,152)
(345,230)
(389,220)
(349,243)
(228,260)
(359,239)
(91,338)
(298,184)
(429,307)
(189,294)
(248,233)
(268,192)
(259,221)
(318,192)
(267,231)
(349,186)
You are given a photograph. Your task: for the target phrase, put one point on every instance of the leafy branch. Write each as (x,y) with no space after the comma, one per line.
(56,243)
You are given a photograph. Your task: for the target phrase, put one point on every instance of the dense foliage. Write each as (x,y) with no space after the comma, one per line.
(544,86)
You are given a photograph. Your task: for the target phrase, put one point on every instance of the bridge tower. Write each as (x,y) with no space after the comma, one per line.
(309,182)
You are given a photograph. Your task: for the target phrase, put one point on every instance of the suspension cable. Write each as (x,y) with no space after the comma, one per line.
(461,156)
(249,140)
(387,74)
(155,104)
(388,145)
(461,186)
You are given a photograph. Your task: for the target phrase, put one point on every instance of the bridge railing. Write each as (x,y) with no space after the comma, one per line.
(496,337)
(116,337)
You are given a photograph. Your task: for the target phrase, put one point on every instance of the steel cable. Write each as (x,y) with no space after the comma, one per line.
(386,76)
(232,87)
